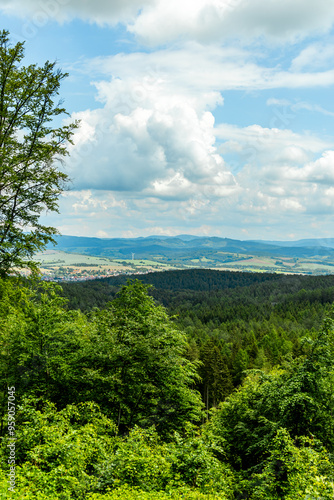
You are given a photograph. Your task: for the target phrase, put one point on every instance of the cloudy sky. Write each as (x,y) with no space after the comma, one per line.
(206,117)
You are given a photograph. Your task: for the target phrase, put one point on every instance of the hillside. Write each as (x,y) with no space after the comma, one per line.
(184,251)
(171,287)
(165,246)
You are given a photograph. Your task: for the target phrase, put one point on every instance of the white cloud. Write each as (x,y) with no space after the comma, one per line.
(84,202)
(154,135)
(256,144)
(165,149)
(311,107)
(288,108)
(212,20)
(201,72)
(101,234)
(279,171)
(151,159)
(89,212)
(291,205)
(278,102)
(160,21)
(174,187)
(194,67)
(314,57)
(154,138)
(320,171)
(100,11)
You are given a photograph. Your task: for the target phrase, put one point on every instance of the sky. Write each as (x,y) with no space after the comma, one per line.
(203,117)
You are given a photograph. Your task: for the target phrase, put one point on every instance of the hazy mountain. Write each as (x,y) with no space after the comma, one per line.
(314,243)
(190,246)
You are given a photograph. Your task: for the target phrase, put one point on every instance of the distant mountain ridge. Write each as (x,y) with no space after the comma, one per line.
(313,242)
(188,245)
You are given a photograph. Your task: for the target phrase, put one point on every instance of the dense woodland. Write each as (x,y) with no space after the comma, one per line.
(211,385)
(236,321)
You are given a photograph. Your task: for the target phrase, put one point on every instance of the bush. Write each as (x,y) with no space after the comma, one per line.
(57,452)
(294,472)
(139,461)
(142,461)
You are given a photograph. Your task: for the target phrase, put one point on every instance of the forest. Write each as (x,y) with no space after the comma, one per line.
(209,385)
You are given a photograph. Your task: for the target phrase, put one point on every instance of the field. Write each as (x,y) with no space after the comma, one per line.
(56,264)
(74,266)
(284,265)
(255,263)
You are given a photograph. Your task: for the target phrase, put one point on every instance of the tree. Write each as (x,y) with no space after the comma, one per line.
(38,338)
(216,378)
(30,147)
(135,365)
(298,398)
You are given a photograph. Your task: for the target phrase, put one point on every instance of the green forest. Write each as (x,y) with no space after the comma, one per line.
(209,385)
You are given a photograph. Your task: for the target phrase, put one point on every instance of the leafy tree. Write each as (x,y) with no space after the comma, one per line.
(30,146)
(135,365)
(38,339)
(129,358)
(58,451)
(11,325)
(298,398)
(295,469)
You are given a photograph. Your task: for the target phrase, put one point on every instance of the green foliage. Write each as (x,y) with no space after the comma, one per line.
(298,399)
(60,450)
(74,452)
(128,358)
(195,461)
(293,470)
(121,493)
(139,461)
(215,374)
(142,460)
(30,182)
(139,364)
(38,337)
(177,494)
(256,321)
(105,402)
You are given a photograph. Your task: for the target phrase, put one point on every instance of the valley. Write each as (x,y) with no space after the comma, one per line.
(80,258)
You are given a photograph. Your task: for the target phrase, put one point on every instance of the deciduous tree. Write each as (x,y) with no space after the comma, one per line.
(31,147)
(137,365)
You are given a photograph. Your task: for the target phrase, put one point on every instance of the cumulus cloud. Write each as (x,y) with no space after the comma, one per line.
(89,212)
(151,158)
(159,142)
(212,20)
(175,170)
(279,171)
(83,202)
(320,171)
(155,132)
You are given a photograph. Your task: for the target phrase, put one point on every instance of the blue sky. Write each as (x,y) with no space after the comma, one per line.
(207,117)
